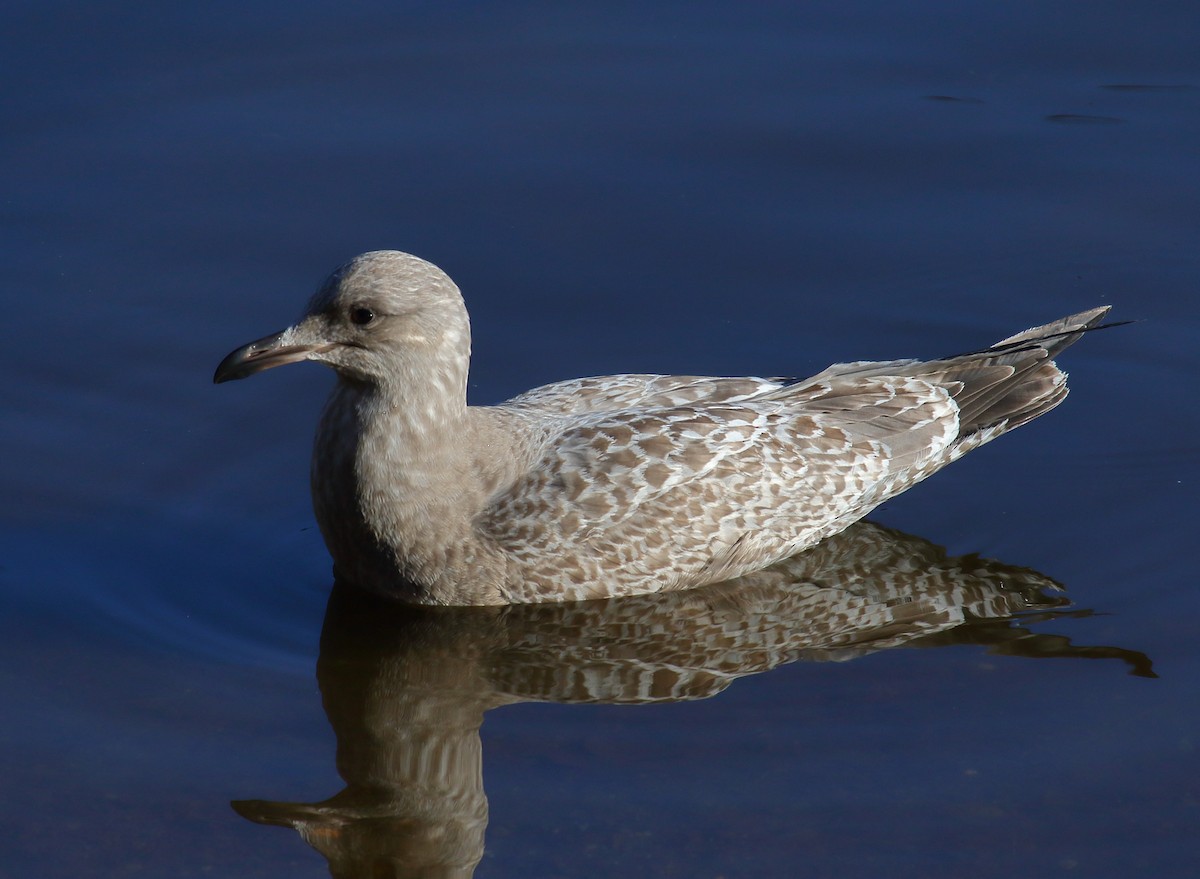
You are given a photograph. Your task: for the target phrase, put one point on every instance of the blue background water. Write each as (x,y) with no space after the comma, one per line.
(700,187)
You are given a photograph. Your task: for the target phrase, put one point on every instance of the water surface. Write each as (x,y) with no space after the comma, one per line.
(700,188)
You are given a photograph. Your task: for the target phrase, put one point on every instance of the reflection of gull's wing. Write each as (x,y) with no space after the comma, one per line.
(861,591)
(1003,638)
(406,688)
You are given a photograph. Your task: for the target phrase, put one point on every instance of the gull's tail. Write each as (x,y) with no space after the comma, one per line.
(996,389)
(1015,380)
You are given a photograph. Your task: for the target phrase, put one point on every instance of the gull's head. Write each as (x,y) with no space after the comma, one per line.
(383,316)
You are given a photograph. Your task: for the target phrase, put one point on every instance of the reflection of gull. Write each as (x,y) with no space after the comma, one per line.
(406,688)
(617,485)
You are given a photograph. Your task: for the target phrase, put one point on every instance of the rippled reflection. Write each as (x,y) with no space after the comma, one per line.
(406,688)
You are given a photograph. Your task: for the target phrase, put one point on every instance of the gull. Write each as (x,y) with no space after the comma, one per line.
(615,485)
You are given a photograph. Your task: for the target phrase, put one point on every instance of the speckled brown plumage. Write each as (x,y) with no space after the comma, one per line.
(616,485)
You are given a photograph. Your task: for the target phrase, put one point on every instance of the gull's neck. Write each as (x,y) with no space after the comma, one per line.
(394,481)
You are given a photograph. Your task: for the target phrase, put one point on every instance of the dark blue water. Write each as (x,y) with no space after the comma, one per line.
(701,188)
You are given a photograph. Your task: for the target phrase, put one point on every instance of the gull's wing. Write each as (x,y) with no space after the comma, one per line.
(1016,355)
(695,494)
(635,391)
(745,472)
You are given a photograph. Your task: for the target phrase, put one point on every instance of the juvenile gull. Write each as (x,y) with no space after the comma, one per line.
(615,485)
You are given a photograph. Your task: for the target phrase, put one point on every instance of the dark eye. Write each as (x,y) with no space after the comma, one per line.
(361,315)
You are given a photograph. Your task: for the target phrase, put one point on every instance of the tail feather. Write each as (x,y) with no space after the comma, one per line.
(1004,386)
(1035,385)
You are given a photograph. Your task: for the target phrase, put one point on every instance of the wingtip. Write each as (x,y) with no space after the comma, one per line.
(1091,317)
(1063,328)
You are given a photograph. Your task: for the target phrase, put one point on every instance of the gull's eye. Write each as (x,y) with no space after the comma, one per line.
(360,315)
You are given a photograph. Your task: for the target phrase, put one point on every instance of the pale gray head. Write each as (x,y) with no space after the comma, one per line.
(385,319)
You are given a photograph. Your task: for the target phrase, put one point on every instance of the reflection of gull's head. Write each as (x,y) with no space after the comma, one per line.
(406,688)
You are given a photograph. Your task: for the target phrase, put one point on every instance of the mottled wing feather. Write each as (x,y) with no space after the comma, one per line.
(625,392)
(693,494)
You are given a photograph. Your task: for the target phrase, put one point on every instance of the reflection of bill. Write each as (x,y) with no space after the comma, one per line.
(406,688)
